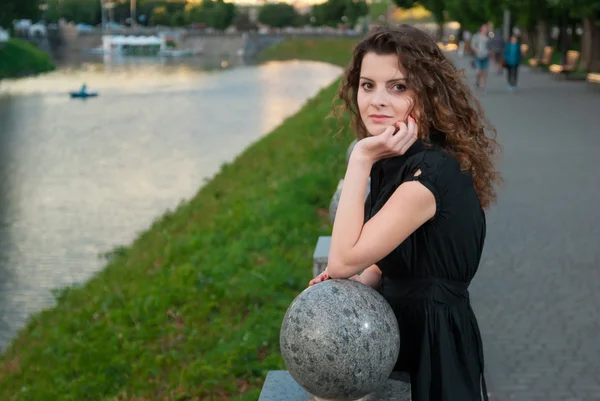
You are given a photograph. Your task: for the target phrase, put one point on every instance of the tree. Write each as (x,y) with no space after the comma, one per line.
(335,12)
(533,17)
(355,10)
(468,13)
(80,11)
(178,18)
(277,15)
(214,13)
(18,9)
(437,8)
(588,12)
(160,16)
(242,22)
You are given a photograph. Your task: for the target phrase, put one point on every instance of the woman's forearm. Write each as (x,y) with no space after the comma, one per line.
(349,218)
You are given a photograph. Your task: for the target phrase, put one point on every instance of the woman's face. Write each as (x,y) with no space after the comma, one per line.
(383,98)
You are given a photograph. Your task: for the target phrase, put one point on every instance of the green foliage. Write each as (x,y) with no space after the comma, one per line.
(329,50)
(526,13)
(78,11)
(581,8)
(19,58)
(378,9)
(172,6)
(178,18)
(147,7)
(438,8)
(160,16)
(278,15)
(214,13)
(192,309)
(18,9)
(470,13)
(407,3)
(335,12)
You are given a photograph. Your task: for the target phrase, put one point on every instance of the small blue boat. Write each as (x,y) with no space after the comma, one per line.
(83,93)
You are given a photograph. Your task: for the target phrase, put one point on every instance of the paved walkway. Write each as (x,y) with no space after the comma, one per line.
(537,294)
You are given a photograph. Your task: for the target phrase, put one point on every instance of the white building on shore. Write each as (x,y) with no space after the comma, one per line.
(4,35)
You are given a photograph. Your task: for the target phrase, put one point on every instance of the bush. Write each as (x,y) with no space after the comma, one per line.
(19,58)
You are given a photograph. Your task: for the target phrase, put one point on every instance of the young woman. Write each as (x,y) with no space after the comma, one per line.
(419,237)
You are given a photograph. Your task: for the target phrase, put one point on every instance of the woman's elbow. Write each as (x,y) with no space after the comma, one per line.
(339,269)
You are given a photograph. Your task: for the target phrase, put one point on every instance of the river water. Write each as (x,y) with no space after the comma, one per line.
(78,177)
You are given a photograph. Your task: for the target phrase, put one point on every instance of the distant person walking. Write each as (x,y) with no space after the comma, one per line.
(480,45)
(466,44)
(497,49)
(512,59)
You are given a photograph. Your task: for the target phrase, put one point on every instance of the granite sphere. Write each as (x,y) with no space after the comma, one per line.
(340,340)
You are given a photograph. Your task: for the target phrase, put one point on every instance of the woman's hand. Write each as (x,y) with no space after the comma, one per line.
(321,277)
(325,276)
(394,141)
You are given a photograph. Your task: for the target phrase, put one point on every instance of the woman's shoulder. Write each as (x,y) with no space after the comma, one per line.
(434,161)
(441,173)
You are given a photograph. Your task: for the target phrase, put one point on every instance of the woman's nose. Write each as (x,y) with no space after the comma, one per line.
(379,98)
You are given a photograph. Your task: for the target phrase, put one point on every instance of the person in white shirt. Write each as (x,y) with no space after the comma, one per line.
(480,45)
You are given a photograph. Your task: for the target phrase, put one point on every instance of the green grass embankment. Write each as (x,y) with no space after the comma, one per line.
(19,58)
(335,51)
(191,310)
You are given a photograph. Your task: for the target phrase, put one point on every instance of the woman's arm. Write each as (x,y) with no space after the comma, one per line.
(371,276)
(355,245)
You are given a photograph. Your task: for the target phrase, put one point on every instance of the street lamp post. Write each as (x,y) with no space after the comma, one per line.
(43,8)
(133,12)
(103,14)
(110,7)
(506,27)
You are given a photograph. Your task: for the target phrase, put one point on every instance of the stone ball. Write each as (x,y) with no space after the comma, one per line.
(340,340)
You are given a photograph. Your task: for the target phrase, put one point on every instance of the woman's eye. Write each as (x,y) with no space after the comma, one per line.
(399,87)
(367,85)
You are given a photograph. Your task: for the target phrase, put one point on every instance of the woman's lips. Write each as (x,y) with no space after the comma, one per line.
(379,118)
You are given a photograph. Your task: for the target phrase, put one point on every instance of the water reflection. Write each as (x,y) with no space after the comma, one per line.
(79,177)
(131,73)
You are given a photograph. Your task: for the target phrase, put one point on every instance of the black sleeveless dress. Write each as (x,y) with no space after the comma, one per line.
(425,279)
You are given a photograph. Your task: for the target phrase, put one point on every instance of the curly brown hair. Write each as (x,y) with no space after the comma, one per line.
(443,101)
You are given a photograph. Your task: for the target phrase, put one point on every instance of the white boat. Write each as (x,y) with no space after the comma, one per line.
(178,52)
(143,46)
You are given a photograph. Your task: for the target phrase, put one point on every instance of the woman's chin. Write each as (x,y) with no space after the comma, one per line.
(377,131)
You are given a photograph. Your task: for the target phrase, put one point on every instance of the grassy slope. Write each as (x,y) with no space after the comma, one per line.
(334,51)
(19,58)
(192,309)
